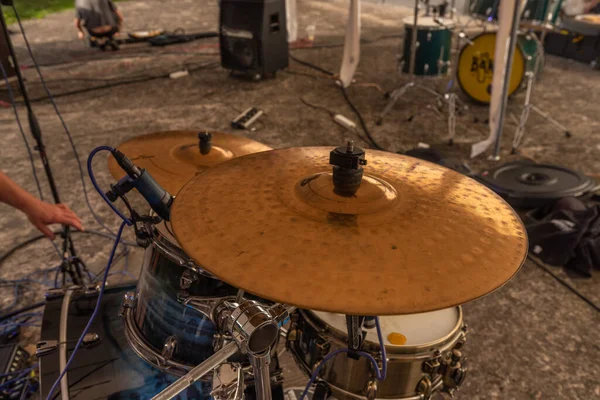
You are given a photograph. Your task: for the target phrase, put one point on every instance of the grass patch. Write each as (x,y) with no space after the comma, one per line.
(36,8)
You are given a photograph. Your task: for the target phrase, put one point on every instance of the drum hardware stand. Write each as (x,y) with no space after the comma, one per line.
(512,44)
(252,329)
(234,388)
(396,94)
(527,108)
(71,263)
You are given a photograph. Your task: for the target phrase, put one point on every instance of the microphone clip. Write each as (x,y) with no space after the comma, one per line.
(120,189)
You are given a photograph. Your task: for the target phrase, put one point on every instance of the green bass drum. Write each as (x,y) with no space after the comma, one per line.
(433,45)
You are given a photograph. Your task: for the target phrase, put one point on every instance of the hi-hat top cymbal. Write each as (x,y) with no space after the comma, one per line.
(401,236)
(174,157)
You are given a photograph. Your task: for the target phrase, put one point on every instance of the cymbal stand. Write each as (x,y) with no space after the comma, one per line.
(248,327)
(528,106)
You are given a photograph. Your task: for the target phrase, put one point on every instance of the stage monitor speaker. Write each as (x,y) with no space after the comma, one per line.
(253,36)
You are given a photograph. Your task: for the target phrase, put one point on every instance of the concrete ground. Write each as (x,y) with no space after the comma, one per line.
(532,339)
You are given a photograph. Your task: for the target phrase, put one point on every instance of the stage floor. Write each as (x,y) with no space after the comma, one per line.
(532,339)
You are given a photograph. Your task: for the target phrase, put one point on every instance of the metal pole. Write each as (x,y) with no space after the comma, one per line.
(262,377)
(198,372)
(413,39)
(512,41)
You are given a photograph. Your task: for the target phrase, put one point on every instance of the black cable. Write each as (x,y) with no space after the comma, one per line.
(352,106)
(313,66)
(27,242)
(120,83)
(316,107)
(22,310)
(564,283)
(87,375)
(19,246)
(360,118)
(14,105)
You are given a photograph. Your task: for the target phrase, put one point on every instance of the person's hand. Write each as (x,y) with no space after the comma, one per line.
(41,214)
(80,35)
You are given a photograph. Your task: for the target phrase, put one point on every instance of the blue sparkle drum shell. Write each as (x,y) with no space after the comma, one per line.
(161,328)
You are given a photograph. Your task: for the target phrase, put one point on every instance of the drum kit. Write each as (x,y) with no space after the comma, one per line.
(427,55)
(333,250)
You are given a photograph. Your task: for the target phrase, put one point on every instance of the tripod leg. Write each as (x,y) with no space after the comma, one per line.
(451,117)
(524,114)
(552,121)
(394,97)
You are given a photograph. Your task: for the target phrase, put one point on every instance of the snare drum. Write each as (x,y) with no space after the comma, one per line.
(422,351)
(433,45)
(167,321)
(475,65)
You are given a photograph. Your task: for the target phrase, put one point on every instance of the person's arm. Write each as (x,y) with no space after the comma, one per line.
(40,213)
(80,32)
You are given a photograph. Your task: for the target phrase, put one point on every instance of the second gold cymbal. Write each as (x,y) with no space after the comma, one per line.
(173,157)
(415,237)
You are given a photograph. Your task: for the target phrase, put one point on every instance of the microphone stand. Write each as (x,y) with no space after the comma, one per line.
(71,263)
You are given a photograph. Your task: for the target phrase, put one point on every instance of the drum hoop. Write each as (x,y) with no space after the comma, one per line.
(146,351)
(436,386)
(174,253)
(332,333)
(436,27)
(518,47)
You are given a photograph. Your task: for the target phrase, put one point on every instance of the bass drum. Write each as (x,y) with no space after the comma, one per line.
(167,319)
(476,63)
(422,349)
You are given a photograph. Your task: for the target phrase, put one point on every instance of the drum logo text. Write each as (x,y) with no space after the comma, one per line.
(482,65)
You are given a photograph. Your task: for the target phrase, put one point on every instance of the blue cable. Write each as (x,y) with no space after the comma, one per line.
(96,309)
(381,374)
(22,374)
(97,187)
(62,121)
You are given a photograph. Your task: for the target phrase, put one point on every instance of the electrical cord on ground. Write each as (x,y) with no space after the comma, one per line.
(94,313)
(381,374)
(117,83)
(345,94)
(34,239)
(540,265)
(316,107)
(360,118)
(14,106)
(22,310)
(310,65)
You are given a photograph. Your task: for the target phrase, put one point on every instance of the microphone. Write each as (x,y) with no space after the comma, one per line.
(159,199)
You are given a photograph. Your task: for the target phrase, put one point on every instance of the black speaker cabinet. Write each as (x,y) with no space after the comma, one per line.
(253,36)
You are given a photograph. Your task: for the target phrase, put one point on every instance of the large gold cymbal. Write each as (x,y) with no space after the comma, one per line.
(415,237)
(173,157)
